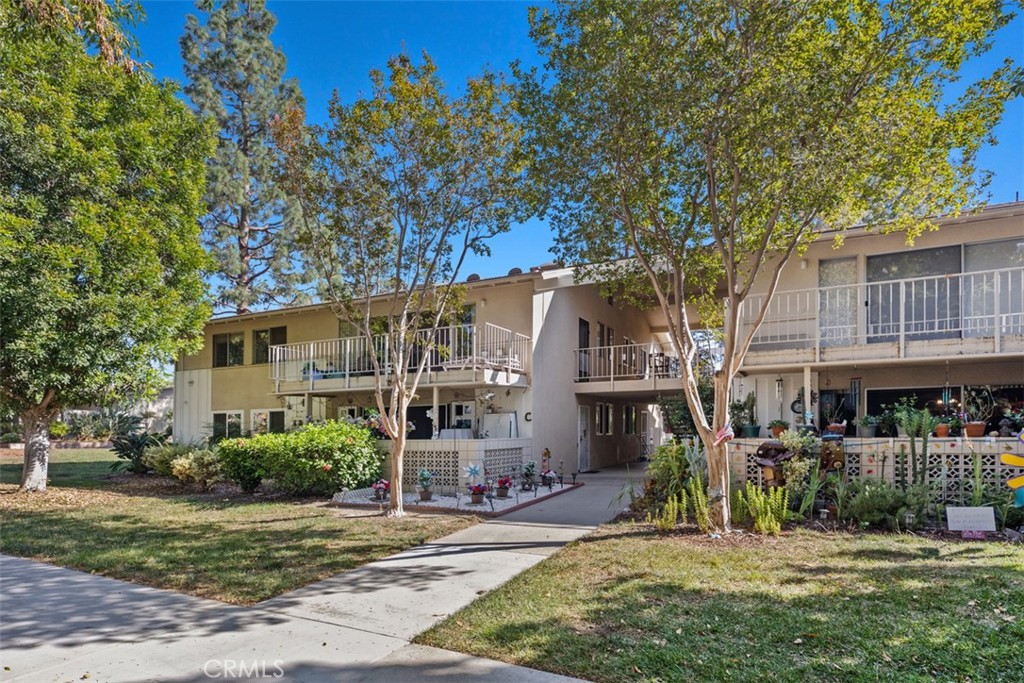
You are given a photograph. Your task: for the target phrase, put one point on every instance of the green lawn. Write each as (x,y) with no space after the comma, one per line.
(235,548)
(627,604)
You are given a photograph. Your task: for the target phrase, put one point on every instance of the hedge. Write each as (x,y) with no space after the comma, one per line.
(317,459)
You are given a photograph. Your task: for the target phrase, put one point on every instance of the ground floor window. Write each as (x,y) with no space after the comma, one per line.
(604,419)
(227,424)
(629,420)
(264,421)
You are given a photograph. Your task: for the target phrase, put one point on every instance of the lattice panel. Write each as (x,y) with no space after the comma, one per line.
(755,473)
(503,462)
(443,464)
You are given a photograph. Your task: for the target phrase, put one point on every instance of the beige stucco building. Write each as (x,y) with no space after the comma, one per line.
(543,362)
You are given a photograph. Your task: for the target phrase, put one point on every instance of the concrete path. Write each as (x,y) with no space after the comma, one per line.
(62,625)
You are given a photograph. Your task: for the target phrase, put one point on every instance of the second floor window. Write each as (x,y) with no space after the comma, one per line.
(262,340)
(228,349)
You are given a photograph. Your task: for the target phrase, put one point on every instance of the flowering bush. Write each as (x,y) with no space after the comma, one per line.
(478,489)
(381,485)
(504,482)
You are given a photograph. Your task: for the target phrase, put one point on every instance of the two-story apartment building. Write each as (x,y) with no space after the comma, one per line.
(548,362)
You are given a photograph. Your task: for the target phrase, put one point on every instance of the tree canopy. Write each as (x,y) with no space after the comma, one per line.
(101,178)
(685,150)
(236,77)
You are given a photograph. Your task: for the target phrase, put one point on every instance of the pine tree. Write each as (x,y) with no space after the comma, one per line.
(236,77)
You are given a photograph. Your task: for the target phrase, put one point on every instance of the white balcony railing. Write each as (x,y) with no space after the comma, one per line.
(458,347)
(963,306)
(624,362)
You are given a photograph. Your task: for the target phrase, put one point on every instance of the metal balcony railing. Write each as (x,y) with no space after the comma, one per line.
(624,362)
(457,347)
(958,306)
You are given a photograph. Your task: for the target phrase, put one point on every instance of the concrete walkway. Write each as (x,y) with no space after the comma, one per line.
(62,625)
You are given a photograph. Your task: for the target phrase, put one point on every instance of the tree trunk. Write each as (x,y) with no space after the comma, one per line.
(36,423)
(718,458)
(395,509)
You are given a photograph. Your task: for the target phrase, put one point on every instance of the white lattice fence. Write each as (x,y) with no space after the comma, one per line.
(443,464)
(502,462)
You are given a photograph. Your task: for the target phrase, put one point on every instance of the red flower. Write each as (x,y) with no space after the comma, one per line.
(327,467)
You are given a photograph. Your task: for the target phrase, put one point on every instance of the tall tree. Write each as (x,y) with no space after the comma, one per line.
(711,140)
(101,180)
(396,192)
(236,77)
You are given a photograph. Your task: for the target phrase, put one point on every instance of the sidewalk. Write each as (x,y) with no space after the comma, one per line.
(60,625)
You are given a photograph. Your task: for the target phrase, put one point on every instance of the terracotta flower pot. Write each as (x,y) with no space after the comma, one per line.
(942,430)
(975,429)
(426,494)
(776,431)
(476,498)
(502,492)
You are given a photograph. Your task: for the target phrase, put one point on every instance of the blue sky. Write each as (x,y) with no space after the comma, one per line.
(333,45)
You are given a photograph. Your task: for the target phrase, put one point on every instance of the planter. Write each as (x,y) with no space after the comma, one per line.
(380,495)
(867,431)
(942,430)
(975,429)
(836,429)
(426,494)
(777,431)
(527,484)
(750,431)
(502,492)
(547,481)
(476,498)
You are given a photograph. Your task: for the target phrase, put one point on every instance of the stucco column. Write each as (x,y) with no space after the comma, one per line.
(437,411)
(807,392)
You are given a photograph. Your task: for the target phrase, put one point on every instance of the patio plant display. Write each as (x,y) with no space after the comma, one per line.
(503,485)
(529,474)
(978,406)
(868,425)
(381,487)
(744,415)
(477,492)
(426,478)
(777,427)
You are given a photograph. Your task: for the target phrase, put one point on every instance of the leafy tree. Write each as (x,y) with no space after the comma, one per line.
(710,140)
(236,77)
(101,178)
(396,191)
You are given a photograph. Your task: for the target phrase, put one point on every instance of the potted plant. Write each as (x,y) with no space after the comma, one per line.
(547,478)
(529,473)
(868,425)
(942,428)
(777,427)
(744,416)
(503,485)
(426,481)
(835,419)
(978,407)
(477,493)
(380,489)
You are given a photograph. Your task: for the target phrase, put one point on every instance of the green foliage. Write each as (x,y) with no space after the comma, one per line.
(815,483)
(917,424)
(131,449)
(235,76)
(100,258)
(767,510)
(737,508)
(677,412)
(699,502)
(317,459)
(197,467)
(426,478)
(58,430)
(11,437)
(673,512)
(797,441)
(878,504)
(159,458)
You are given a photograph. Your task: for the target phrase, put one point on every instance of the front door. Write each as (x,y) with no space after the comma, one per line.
(583,438)
(584,349)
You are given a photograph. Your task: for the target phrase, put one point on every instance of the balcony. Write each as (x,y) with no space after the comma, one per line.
(460,355)
(916,318)
(626,367)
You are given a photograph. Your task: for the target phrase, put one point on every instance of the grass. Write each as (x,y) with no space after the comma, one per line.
(230,547)
(627,604)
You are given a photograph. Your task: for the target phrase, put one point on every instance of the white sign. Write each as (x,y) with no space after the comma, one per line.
(971,519)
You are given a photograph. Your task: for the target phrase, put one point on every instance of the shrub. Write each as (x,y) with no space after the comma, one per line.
(11,437)
(130,448)
(58,430)
(317,459)
(674,511)
(198,467)
(699,499)
(159,458)
(879,504)
(767,510)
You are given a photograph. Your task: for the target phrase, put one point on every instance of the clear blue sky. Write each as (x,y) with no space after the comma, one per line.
(333,45)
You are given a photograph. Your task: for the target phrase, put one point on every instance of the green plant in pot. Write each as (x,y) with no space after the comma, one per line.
(868,425)
(979,404)
(777,427)
(744,417)
(426,478)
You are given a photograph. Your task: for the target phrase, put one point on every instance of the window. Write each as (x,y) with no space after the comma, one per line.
(604,419)
(227,425)
(629,420)
(907,290)
(264,421)
(228,349)
(262,340)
